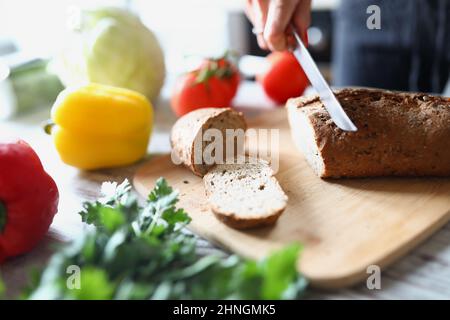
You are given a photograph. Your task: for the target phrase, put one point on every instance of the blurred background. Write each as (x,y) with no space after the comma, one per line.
(201,27)
(33,32)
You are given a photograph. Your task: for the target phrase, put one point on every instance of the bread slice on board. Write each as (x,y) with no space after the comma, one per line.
(399,134)
(245,195)
(187,136)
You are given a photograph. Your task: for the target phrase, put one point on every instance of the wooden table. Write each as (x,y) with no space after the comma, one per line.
(423,274)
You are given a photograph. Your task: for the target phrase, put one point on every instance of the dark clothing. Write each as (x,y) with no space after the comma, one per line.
(410,52)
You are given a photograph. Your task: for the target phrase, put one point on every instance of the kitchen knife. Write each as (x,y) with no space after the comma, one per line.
(327,96)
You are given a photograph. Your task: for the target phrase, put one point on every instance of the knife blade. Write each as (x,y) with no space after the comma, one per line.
(334,108)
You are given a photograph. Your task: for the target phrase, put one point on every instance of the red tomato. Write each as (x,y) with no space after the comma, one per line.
(228,69)
(284,78)
(213,84)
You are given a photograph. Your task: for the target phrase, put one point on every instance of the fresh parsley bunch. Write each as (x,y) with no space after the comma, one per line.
(136,252)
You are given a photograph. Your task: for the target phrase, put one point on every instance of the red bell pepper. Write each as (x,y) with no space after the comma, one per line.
(28,199)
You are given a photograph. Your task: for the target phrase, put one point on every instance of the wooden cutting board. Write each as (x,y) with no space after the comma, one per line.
(345,225)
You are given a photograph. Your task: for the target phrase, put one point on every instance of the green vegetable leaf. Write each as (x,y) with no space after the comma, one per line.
(94,285)
(161,190)
(145,252)
(102,216)
(279,271)
(90,213)
(111,218)
(174,217)
(112,192)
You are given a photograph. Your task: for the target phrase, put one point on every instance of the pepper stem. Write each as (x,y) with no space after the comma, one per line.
(48,126)
(2,217)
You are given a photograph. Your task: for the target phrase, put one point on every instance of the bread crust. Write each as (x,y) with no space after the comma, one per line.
(399,134)
(234,221)
(188,127)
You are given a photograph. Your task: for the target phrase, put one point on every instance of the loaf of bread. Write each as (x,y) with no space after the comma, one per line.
(399,134)
(245,195)
(191,128)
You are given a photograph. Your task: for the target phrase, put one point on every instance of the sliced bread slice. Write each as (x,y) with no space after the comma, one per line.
(187,136)
(245,195)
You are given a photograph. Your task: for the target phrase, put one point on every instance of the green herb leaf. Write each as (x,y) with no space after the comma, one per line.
(94,285)
(145,252)
(279,271)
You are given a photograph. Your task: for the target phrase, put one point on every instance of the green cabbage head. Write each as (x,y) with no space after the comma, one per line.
(112,46)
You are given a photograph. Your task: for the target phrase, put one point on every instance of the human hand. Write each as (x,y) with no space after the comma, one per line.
(271,20)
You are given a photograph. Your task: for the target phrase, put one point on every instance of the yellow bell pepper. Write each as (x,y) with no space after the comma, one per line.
(98,126)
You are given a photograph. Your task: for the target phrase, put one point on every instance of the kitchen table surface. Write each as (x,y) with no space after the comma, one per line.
(424,273)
